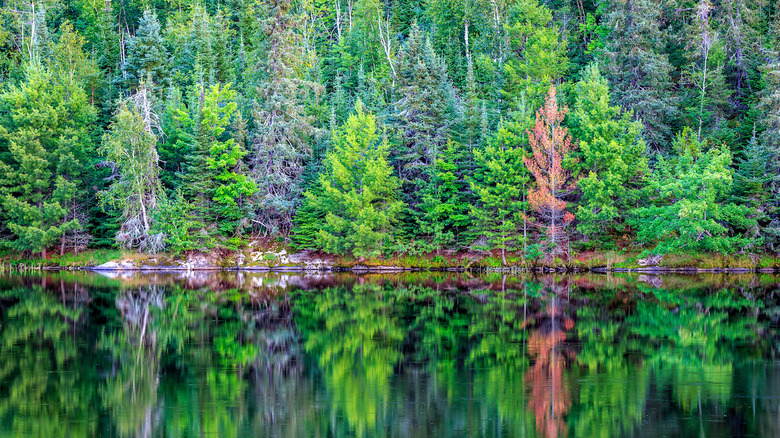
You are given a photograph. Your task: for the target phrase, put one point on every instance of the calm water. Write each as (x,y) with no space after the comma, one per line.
(429,355)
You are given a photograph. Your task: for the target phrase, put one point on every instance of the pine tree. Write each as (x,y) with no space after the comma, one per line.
(499,184)
(550,144)
(612,158)
(284,130)
(538,53)
(359,193)
(45,150)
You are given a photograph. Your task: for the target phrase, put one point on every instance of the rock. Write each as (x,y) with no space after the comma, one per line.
(121,265)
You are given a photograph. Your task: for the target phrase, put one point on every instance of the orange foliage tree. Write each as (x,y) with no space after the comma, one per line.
(550,142)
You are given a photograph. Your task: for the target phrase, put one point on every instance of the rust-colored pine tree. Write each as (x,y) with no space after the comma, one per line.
(550,143)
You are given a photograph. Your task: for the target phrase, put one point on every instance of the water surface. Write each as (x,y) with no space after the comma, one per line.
(412,355)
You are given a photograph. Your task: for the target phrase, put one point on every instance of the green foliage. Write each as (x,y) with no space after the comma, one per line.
(689,208)
(612,159)
(46,148)
(446,202)
(359,193)
(500,185)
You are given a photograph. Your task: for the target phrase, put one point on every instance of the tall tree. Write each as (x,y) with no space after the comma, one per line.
(499,183)
(423,115)
(639,72)
(283,127)
(45,150)
(359,193)
(704,74)
(550,144)
(612,158)
(147,60)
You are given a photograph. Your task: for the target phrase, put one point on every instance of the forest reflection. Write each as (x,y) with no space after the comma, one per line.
(408,355)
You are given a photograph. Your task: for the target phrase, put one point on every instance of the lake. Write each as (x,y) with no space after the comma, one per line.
(404,355)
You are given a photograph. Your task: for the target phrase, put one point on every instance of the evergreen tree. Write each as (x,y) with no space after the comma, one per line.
(446,201)
(283,128)
(689,209)
(704,74)
(359,193)
(232,187)
(538,53)
(640,74)
(612,158)
(45,150)
(147,58)
(421,118)
(499,183)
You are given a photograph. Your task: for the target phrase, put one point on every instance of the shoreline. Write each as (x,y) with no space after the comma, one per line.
(278,259)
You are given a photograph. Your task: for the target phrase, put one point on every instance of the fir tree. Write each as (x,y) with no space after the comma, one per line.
(640,74)
(147,58)
(421,118)
(500,182)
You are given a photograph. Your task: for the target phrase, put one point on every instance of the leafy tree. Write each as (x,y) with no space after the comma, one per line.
(359,193)
(130,147)
(499,184)
(612,158)
(550,144)
(45,149)
(689,208)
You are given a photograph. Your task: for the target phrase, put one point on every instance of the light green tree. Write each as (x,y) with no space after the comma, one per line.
(611,155)
(690,209)
(359,193)
(45,149)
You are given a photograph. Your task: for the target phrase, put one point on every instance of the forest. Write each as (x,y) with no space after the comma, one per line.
(369,128)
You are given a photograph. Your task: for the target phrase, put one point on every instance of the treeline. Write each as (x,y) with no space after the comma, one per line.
(367,128)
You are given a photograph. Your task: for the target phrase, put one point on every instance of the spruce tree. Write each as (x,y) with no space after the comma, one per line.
(421,119)
(147,59)
(638,70)
(499,183)
(283,128)
(359,193)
